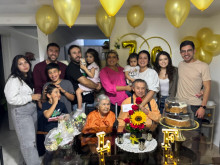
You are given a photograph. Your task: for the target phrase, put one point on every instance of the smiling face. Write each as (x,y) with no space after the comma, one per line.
(142,60)
(139,89)
(53,53)
(89,58)
(54,74)
(104,107)
(23,65)
(75,54)
(112,59)
(187,52)
(163,61)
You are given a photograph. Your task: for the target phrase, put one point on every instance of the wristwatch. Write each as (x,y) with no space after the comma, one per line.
(204,107)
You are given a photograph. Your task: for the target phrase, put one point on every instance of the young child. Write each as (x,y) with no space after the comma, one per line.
(132,69)
(93,61)
(65,86)
(53,108)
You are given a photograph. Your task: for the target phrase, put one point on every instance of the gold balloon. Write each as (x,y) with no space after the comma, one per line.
(47,19)
(202,4)
(154,53)
(135,16)
(203,33)
(212,44)
(203,55)
(112,6)
(105,22)
(131,44)
(177,11)
(68,10)
(193,39)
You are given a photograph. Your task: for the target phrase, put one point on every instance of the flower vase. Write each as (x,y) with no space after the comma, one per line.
(135,136)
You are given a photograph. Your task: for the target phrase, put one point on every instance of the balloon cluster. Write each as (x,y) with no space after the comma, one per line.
(177,10)
(207,44)
(47,18)
(105,15)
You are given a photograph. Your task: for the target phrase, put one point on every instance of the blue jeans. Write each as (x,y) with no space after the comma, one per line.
(25,122)
(194,108)
(162,103)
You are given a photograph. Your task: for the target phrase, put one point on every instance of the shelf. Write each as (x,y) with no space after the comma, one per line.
(207,125)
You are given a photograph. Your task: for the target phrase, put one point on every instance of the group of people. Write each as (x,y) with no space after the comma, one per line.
(54,88)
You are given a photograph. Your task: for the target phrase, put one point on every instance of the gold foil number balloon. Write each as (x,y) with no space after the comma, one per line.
(177,11)
(154,53)
(135,16)
(112,6)
(47,19)
(132,45)
(202,4)
(68,10)
(105,22)
(203,55)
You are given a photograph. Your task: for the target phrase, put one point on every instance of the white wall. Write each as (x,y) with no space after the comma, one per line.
(215,68)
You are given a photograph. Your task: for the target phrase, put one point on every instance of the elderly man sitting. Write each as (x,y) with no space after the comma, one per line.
(151,109)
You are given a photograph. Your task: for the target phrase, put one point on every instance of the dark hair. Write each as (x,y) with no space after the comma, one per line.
(53,44)
(187,42)
(51,66)
(148,56)
(169,69)
(50,88)
(73,46)
(139,81)
(15,72)
(132,55)
(95,54)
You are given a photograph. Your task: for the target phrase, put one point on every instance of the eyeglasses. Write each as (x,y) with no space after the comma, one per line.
(186,51)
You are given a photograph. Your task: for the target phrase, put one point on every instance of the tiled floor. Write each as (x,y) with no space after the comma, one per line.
(11,154)
(9,143)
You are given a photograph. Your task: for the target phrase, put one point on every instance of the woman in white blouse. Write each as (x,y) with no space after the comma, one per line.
(19,94)
(147,74)
(168,77)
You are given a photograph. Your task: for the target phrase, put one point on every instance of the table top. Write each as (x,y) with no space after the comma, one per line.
(187,152)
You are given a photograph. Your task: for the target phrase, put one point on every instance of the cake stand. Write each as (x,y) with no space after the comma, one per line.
(180,136)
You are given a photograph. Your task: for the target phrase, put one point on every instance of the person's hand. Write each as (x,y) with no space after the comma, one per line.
(60,88)
(55,100)
(83,67)
(36,97)
(145,110)
(98,87)
(200,94)
(200,113)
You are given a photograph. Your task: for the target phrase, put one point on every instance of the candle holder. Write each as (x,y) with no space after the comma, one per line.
(120,139)
(141,144)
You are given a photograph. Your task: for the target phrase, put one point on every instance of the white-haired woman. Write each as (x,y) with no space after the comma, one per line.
(101,119)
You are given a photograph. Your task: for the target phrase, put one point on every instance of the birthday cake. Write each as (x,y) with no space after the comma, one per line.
(177,113)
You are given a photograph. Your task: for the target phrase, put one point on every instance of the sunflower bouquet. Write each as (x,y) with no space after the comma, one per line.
(137,118)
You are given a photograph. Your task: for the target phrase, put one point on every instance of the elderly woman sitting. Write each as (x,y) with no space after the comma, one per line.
(101,119)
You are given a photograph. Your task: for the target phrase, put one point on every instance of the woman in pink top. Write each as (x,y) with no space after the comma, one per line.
(113,80)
